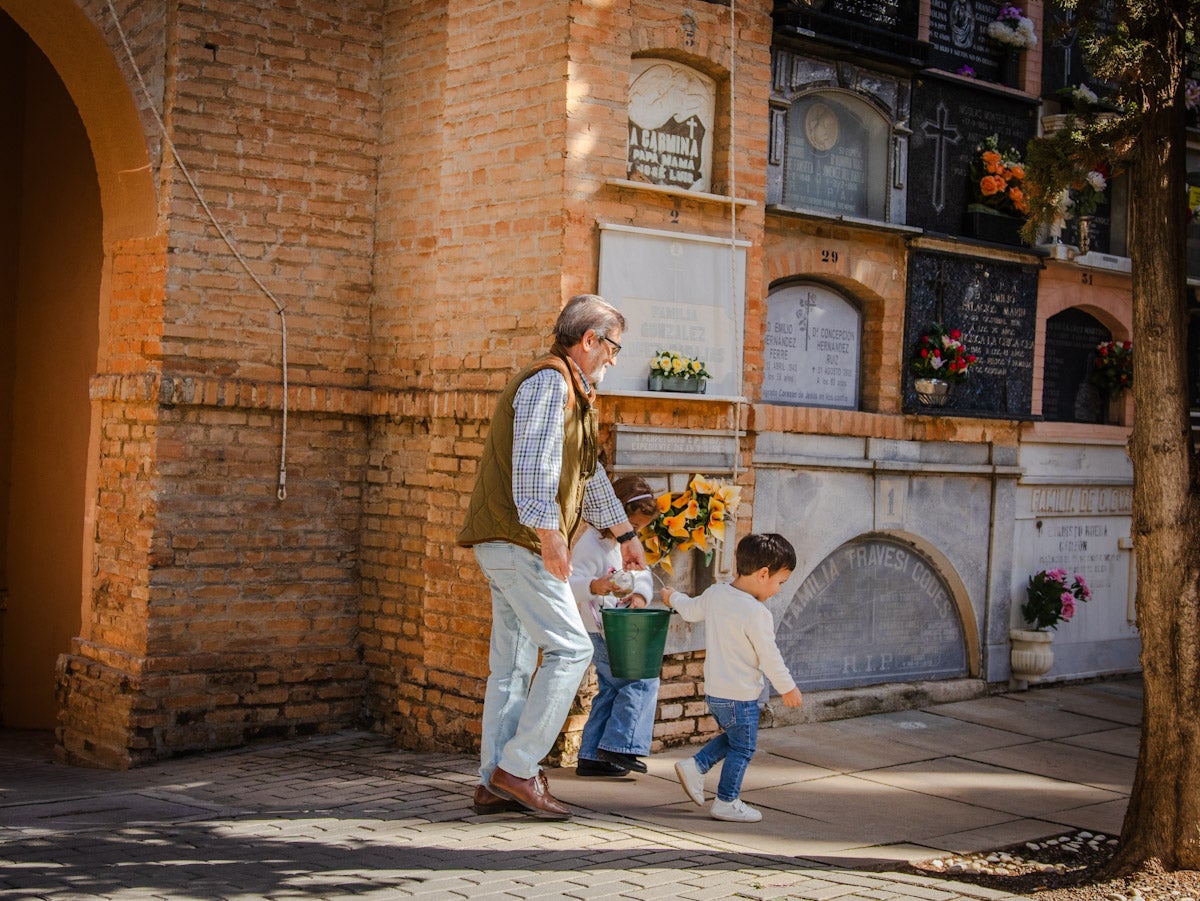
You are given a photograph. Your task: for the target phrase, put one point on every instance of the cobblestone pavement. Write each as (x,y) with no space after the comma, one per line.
(351,816)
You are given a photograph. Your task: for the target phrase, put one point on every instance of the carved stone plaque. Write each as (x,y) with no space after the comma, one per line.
(671,113)
(873,611)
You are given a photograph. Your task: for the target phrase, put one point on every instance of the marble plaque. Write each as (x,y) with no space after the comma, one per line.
(677,292)
(811,348)
(829,156)
(1062,57)
(994,305)
(671,114)
(873,611)
(949,121)
(1078,545)
(1067,393)
(650,450)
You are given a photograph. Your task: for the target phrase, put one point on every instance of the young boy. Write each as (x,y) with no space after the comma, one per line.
(741,650)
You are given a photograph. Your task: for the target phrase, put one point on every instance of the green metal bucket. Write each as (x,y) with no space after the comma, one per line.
(635,639)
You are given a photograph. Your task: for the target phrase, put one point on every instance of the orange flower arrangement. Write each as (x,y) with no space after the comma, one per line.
(693,518)
(998,177)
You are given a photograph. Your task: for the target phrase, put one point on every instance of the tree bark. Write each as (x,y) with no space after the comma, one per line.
(1163,818)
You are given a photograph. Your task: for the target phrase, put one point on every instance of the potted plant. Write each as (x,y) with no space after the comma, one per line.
(997,187)
(672,371)
(1052,597)
(692,518)
(940,361)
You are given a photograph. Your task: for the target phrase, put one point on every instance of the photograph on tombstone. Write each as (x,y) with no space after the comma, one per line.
(671,115)
(680,293)
(994,305)
(811,348)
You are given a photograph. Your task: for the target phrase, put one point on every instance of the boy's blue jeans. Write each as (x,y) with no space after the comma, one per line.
(622,717)
(735,745)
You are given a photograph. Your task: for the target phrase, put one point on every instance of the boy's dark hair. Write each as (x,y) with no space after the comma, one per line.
(767,549)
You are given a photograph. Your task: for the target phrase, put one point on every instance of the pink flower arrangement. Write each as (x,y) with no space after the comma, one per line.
(1052,600)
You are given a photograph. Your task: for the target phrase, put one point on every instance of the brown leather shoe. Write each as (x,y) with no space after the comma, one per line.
(533,793)
(485,803)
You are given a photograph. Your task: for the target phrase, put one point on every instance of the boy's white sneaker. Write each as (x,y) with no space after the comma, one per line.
(691,779)
(736,811)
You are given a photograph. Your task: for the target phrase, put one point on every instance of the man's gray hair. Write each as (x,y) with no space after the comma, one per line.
(583,312)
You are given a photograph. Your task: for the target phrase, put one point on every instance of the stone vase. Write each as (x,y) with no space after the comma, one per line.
(1032,655)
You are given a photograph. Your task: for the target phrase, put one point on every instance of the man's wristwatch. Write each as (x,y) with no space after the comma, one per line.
(628,536)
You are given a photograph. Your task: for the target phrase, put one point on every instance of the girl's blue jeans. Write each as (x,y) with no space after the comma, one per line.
(622,716)
(735,745)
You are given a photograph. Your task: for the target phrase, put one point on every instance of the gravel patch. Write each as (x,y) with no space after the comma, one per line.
(1064,867)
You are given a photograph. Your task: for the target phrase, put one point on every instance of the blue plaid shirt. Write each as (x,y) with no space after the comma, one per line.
(537,457)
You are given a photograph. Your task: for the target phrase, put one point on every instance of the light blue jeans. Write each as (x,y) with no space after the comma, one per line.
(735,745)
(531,611)
(622,716)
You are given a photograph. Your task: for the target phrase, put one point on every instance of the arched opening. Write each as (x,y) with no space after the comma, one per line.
(75,183)
(50,273)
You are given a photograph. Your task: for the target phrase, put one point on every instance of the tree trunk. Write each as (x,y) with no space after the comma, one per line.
(1163,819)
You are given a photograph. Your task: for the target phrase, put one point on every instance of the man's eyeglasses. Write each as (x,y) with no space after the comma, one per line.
(616,347)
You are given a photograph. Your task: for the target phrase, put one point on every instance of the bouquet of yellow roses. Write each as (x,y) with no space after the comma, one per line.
(695,517)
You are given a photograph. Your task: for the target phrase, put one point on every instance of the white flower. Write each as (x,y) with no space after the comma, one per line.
(1081,93)
(1021,37)
(1097,181)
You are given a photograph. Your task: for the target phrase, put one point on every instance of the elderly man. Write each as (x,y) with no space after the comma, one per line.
(539,477)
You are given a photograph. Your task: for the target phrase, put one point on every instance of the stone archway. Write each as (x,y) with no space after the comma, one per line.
(77,187)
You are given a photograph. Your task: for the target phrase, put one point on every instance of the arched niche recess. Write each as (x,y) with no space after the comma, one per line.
(880,608)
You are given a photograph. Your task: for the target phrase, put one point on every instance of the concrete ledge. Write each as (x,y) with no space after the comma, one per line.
(844,703)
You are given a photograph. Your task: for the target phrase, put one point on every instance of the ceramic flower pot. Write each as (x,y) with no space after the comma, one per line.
(1032,655)
(932,392)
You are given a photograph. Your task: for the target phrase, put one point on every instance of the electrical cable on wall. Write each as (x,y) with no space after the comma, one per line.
(281,492)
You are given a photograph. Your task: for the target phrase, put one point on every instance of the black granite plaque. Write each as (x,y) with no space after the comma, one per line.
(828,158)
(889,27)
(950,119)
(958,36)
(994,305)
(1062,57)
(1067,394)
(873,611)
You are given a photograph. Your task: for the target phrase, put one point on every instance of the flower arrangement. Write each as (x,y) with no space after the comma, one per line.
(695,517)
(1051,601)
(998,177)
(1113,367)
(671,363)
(1012,29)
(1079,97)
(940,354)
(1087,192)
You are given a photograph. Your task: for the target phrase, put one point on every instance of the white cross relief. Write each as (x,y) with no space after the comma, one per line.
(942,133)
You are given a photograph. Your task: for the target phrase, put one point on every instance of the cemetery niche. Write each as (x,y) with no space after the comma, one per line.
(959,37)
(838,138)
(671,114)
(887,28)
(811,349)
(994,304)
(873,611)
(1068,394)
(951,120)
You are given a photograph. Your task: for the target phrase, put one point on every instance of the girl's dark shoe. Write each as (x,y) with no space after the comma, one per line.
(628,761)
(587,767)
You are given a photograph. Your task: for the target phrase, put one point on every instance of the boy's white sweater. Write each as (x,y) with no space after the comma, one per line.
(740,632)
